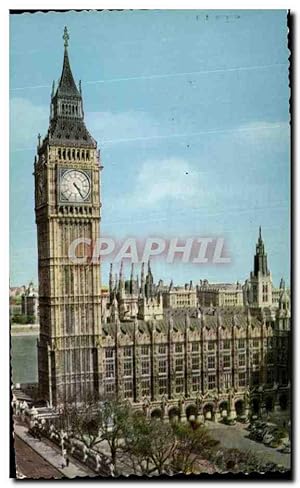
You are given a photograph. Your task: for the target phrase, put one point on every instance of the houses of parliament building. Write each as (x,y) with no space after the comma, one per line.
(203,350)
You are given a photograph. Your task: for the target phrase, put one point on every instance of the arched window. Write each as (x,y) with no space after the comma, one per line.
(64,154)
(59,153)
(73,154)
(69,154)
(82,155)
(88,155)
(78,154)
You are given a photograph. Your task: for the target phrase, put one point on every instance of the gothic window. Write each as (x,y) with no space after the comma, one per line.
(227,361)
(195,346)
(211,381)
(227,380)
(109,352)
(162,366)
(110,369)
(73,154)
(226,344)
(178,347)
(128,393)
(145,367)
(242,379)
(88,155)
(195,363)
(255,342)
(69,154)
(179,384)
(196,383)
(64,154)
(179,365)
(242,343)
(110,389)
(82,155)
(78,154)
(256,358)
(145,387)
(162,386)
(162,349)
(59,153)
(145,350)
(211,362)
(127,352)
(128,368)
(211,345)
(242,359)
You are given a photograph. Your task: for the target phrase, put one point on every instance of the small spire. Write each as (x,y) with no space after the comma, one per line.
(260,232)
(80,91)
(53,89)
(66,37)
(39,140)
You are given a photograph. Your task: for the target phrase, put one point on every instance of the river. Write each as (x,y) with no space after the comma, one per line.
(24,358)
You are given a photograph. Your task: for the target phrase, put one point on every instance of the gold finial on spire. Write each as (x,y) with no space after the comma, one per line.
(66,37)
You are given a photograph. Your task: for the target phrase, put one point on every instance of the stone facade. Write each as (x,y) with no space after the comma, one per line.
(213,364)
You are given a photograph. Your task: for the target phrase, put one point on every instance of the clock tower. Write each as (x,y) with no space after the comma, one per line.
(67,207)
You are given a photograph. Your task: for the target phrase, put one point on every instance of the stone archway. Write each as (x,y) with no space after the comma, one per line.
(157,414)
(240,408)
(255,406)
(174,414)
(283,401)
(191,412)
(224,409)
(269,404)
(208,411)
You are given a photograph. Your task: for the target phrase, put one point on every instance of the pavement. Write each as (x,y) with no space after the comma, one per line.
(235,436)
(51,454)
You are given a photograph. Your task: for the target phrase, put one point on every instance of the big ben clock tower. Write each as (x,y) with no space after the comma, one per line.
(67,207)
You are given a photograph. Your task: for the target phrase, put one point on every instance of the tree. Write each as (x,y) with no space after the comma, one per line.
(148,445)
(193,444)
(82,422)
(114,416)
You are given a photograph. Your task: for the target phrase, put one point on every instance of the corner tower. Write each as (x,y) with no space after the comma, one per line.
(260,283)
(67,207)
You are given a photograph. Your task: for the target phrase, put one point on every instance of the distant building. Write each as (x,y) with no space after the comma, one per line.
(220,294)
(30,302)
(180,296)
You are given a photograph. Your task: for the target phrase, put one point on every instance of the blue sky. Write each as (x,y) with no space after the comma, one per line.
(190,111)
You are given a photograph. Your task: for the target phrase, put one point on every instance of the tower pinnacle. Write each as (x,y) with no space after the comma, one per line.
(66,37)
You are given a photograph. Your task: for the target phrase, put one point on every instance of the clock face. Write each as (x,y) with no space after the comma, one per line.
(75,186)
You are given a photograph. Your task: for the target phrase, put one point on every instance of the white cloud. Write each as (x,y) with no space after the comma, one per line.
(171,180)
(26,121)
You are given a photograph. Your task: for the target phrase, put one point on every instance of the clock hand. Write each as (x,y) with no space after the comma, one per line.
(78,189)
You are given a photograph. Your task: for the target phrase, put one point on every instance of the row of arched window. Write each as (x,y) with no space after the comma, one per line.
(69,109)
(71,154)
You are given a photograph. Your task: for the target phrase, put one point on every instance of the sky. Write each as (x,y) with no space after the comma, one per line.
(190,110)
